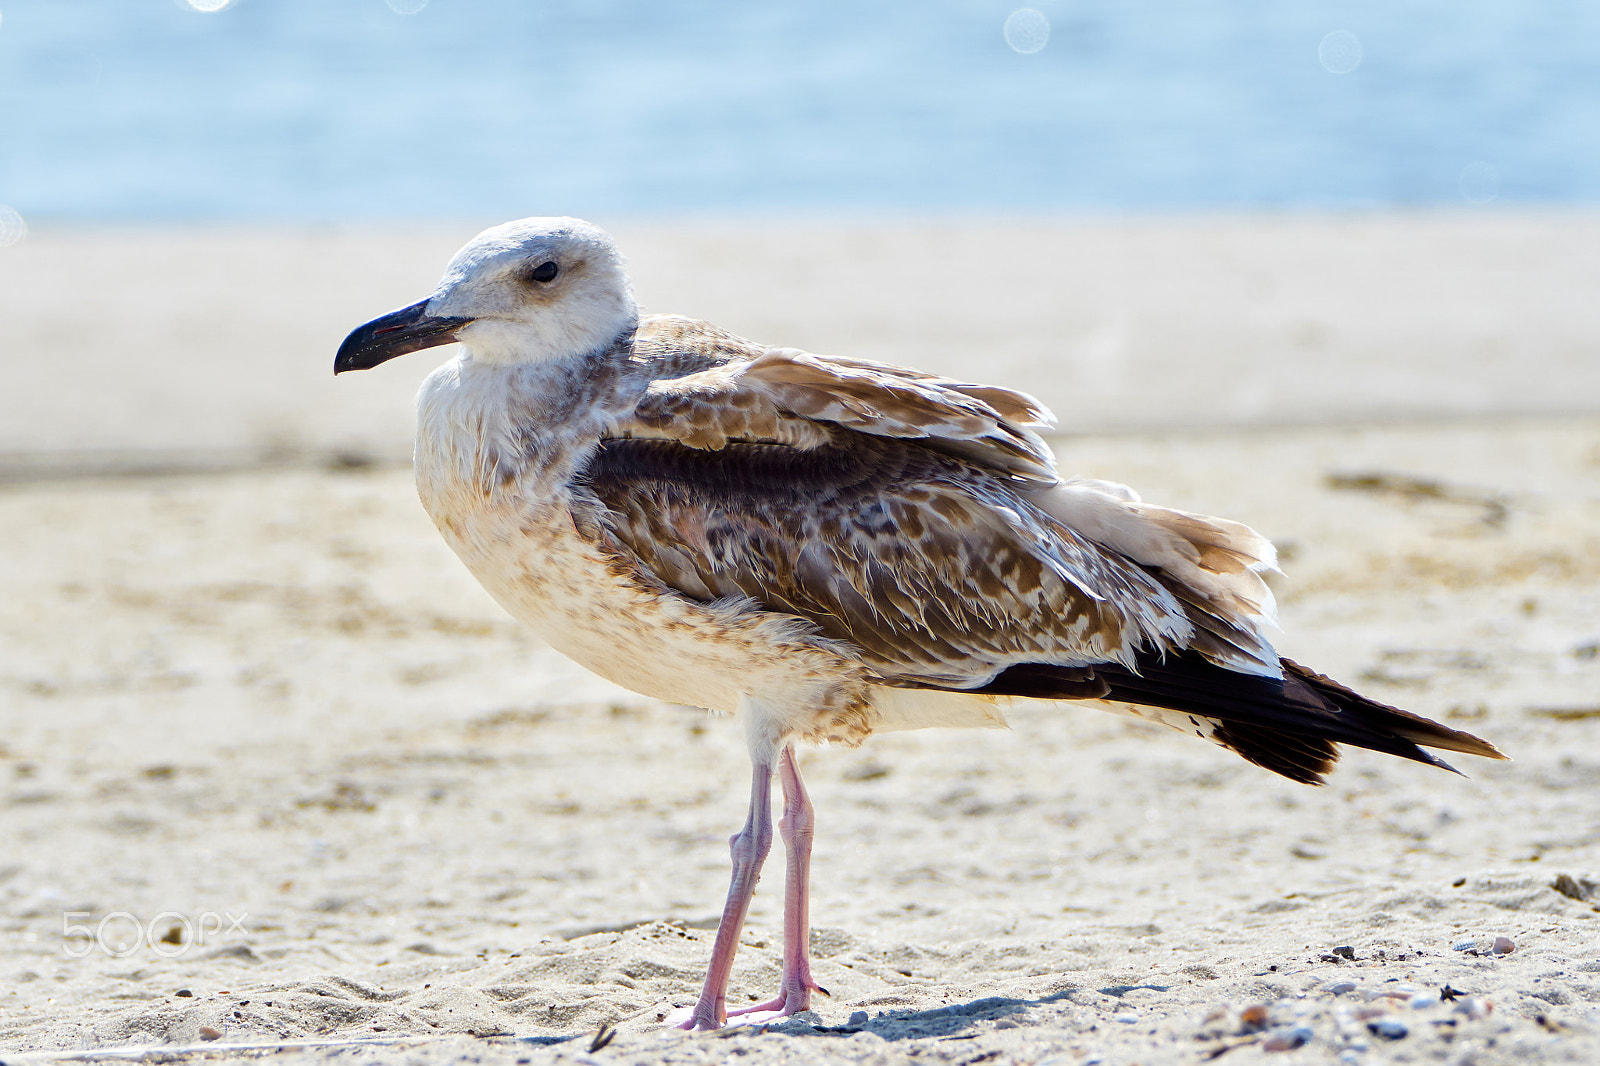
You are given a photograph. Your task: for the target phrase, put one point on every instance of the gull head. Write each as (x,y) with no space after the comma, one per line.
(523,292)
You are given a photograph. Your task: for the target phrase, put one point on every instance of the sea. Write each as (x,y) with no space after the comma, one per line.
(332,110)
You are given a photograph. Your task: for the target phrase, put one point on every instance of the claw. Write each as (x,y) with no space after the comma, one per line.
(690,1020)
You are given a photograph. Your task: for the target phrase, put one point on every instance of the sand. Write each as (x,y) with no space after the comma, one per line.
(261,712)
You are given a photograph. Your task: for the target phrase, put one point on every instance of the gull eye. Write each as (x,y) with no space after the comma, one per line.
(546,271)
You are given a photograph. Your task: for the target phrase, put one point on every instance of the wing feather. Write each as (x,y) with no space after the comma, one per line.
(922,562)
(918,522)
(986,424)
(941,566)
(1213,566)
(718,388)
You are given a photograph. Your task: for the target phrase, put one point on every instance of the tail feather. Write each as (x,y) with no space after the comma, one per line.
(1289,726)
(1412,727)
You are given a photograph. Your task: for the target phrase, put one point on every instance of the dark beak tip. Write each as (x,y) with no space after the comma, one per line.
(347,358)
(349,355)
(409,329)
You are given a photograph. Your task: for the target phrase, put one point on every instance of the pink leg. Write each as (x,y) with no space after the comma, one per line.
(749,846)
(797,827)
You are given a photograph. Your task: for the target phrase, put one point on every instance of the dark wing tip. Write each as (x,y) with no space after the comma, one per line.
(1404,724)
(1292,727)
(1299,758)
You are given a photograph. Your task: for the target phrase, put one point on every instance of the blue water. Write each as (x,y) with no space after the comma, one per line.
(337,109)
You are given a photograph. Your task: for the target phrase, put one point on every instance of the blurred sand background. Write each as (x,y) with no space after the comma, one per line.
(240,674)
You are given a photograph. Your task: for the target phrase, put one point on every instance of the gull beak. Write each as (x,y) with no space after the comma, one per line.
(409,329)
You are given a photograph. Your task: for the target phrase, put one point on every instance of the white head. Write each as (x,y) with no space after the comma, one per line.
(522,292)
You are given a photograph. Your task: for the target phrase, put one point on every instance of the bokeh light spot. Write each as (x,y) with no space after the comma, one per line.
(1027,30)
(1339,52)
(406,7)
(12,228)
(1479,182)
(208,6)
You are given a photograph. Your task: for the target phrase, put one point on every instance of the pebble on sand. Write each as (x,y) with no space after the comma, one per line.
(1287,1039)
(1388,1028)
(1500,945)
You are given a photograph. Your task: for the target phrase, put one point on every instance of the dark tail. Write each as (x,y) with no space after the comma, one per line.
(1290,727)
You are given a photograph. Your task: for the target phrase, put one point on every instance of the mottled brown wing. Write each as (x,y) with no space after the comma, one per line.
(930,567)
(713,388)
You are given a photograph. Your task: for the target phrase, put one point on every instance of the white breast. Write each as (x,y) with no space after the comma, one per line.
(501,499)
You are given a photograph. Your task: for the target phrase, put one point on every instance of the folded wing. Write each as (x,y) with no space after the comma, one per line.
(929,570)
(918,522)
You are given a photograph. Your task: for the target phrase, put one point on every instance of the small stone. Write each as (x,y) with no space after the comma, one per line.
(1254,1017)
(1503,945)
(1424,1000)
(1339,988)
(1578,888)
(858,1018)
(1345,951)
(1287,1039)
(184,993)
(1388,1028)
(1128,1019)
(208,1033)
(1006,1023)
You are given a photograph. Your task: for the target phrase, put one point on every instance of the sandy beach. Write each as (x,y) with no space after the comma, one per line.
(277,779)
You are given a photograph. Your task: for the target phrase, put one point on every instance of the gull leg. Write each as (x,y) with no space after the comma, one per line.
(749,846)
(797,828)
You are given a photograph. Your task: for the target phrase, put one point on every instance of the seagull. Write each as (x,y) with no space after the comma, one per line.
(824,547)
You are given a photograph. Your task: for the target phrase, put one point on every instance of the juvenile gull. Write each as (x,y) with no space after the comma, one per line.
(826,547)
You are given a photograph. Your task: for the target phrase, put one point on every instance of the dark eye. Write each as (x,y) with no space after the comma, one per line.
(544,272)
